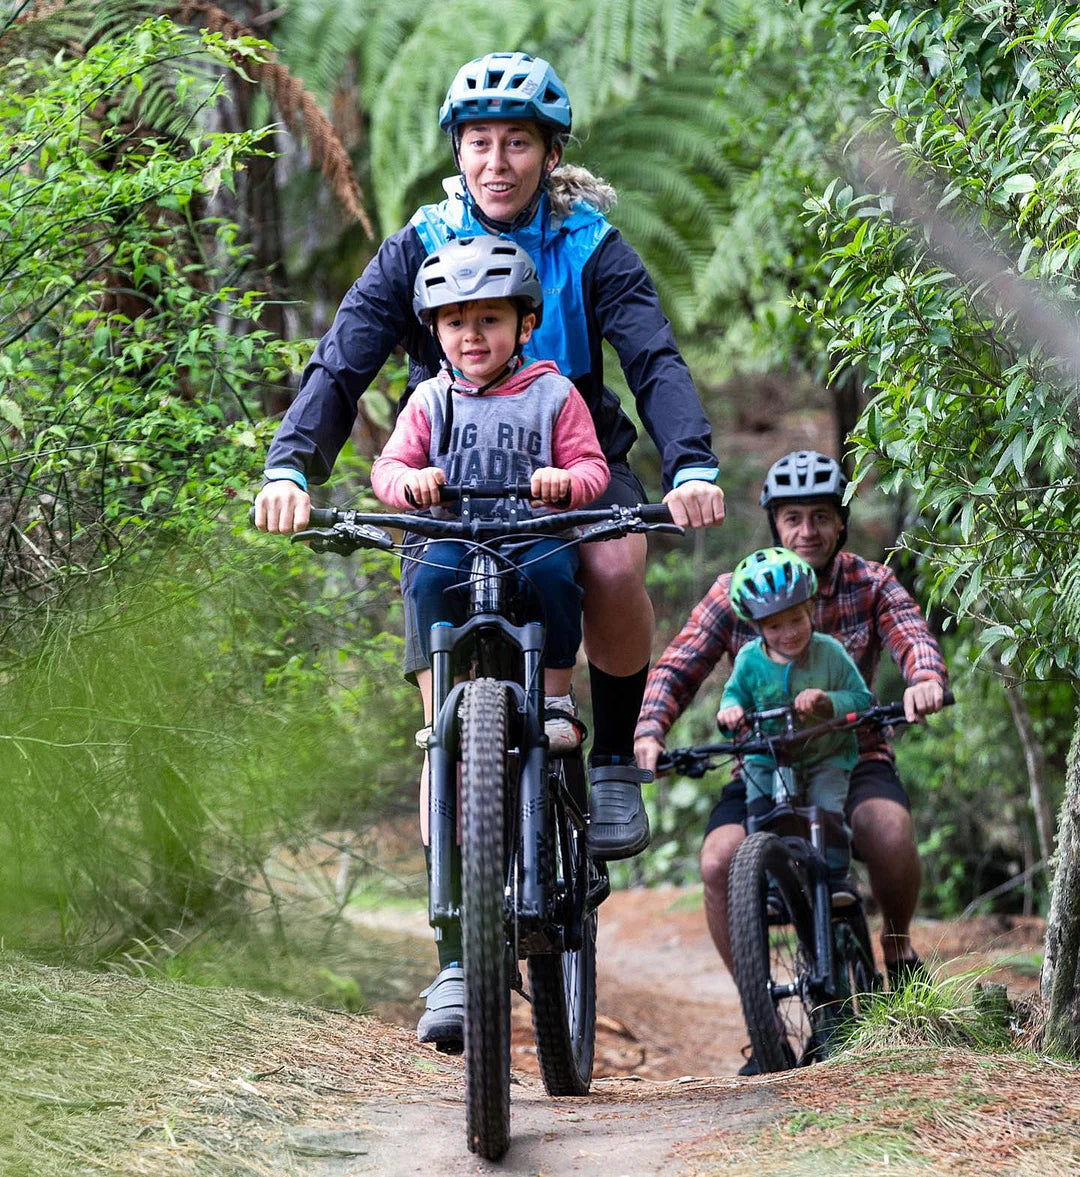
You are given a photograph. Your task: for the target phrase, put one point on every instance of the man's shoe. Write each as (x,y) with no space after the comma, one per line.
(903,972)
(443,1019)
(843,892)
(618,823)
(750,1067)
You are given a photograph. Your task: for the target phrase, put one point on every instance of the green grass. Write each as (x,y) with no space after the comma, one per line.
(937,1010)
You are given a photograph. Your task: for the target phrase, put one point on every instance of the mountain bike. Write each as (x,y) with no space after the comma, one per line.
(804,964)
(507,820)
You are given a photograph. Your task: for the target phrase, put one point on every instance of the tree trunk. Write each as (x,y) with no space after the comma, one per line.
(1035,759)
(1060,979)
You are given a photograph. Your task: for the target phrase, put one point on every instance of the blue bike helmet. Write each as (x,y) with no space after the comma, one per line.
(507,86)
(769,581)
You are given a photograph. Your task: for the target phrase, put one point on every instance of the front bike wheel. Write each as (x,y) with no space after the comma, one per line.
(483,930)
(563,984)
(770,916)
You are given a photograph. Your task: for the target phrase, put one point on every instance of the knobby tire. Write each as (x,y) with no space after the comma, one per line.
(483,719)
(563,984)
(775,951)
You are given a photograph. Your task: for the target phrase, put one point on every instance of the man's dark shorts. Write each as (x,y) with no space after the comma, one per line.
(623,490)
(869,779)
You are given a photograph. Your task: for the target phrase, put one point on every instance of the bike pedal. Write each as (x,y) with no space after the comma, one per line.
(455,1047)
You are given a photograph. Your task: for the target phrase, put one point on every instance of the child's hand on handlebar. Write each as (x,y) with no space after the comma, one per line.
(551,485)
(813,703)
(422,486)
(729,718)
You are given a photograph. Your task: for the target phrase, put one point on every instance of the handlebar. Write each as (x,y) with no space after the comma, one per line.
(702,758)
(346,530)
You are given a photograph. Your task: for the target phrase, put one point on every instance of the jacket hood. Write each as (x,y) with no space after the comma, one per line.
(569,185)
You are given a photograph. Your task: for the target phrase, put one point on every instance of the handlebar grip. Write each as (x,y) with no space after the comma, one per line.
(655,513)
(320,516)
(949,699)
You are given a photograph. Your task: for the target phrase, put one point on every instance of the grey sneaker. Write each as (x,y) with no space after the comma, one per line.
(561,724)
(618,823)
(443,1019)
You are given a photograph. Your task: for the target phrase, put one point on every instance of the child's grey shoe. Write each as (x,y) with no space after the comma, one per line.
(618,823)
(443,1019)
(561,725)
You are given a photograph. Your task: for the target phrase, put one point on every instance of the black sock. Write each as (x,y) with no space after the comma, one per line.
(448,944)
(616,702)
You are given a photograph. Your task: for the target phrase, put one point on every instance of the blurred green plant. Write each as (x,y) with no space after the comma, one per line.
(219,709)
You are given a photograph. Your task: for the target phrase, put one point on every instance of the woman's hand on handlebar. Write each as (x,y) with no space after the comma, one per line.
(729,718)
(282,507)
(421,487)
(551,485)
(696,504)
(924,698)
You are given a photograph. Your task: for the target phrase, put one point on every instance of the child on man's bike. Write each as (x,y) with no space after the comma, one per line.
(789,664)
(492,415)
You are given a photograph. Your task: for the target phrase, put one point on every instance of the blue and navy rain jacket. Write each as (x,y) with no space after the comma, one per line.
(595,288)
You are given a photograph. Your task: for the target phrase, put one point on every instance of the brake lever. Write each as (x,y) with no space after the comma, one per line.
(345,538)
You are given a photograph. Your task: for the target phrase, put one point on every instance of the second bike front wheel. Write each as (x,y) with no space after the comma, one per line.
(483,719)
(563,984)
(771,926)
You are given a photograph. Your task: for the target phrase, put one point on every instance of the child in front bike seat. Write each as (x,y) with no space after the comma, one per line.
(493,414)
(789,664)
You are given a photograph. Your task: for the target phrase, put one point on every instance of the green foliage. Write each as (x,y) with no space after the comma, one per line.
(218,708)
(966,763)
(975,424)
(129,352)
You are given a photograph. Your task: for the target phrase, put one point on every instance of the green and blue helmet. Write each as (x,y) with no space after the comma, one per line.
(769,581)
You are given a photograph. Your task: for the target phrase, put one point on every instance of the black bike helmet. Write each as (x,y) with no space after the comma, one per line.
(805,476)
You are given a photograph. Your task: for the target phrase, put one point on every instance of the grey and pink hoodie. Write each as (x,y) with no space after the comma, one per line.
(534,418)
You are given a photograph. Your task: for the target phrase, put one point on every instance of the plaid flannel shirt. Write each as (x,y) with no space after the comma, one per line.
(859,602)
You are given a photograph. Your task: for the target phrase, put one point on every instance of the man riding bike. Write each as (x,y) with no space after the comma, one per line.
(861,603)
(508,116)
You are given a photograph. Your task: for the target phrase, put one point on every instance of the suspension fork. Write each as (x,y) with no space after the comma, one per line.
(534,812)
(444,894)
(819,880)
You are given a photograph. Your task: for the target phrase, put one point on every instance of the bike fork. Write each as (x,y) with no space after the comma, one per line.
(444,895)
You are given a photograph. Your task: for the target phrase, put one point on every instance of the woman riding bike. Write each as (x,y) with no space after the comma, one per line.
(508,116)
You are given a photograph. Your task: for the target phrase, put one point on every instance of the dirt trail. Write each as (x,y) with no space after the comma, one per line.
(669,1041)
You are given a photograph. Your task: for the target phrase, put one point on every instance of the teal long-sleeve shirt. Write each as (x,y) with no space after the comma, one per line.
(757,683)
